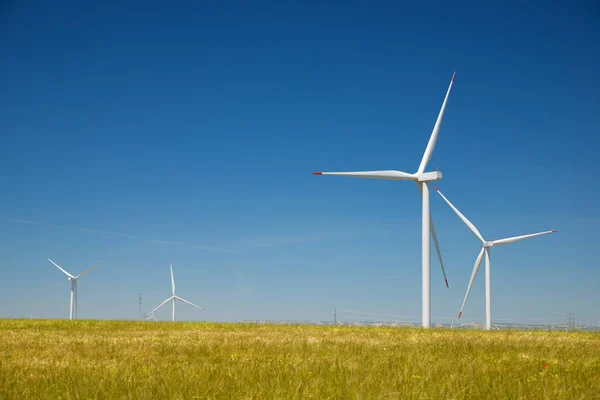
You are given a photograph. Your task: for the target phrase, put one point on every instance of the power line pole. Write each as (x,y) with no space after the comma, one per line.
(140,316)
(571,316)
(334,316)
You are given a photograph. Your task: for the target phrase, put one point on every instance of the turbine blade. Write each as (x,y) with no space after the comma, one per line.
(473,274)
(172,279)
(464,219)
(389,174)
(437,248)
(517,238)
(189,302)
(434,133)
(57,266)
(162,304)
(90,268)
(434,236)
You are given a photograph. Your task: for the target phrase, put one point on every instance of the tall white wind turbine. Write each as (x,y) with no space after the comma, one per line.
(173,298)
(422,179)
(486,247)
(73,279)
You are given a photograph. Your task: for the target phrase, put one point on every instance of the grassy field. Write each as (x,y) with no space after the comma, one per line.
(145,360)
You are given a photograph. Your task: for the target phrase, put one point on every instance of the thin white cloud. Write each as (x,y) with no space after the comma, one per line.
(25,221)
(215,249)
(124,235)
(108,233)
(276,241)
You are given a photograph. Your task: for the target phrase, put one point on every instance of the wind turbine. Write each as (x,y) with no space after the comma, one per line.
(486,247)
(73,279)
(149,317)
(422,179)
(173,298)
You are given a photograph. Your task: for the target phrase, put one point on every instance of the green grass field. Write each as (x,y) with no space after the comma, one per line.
(145,360)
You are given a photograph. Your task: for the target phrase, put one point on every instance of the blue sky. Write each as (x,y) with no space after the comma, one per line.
(200,125)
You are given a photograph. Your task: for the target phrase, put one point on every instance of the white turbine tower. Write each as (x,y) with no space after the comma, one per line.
(173,298)
(422,179)
(73,279)
(486,246)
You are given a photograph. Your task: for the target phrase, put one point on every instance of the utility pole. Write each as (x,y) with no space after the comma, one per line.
(571,316)
(140,316)
(334,316)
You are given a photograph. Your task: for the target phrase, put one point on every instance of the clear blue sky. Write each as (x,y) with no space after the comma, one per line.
(200,125)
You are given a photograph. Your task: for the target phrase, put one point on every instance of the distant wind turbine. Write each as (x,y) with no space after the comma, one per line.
(173,298)
(422,179)
(73,279)
(149,317)
(486,246)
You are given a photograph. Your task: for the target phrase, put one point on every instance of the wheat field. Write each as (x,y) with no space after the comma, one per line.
(52,359)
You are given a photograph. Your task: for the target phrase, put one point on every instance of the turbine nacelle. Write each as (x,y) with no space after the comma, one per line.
(429,176)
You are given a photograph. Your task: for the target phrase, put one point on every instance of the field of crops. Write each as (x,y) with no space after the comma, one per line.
(149,360)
